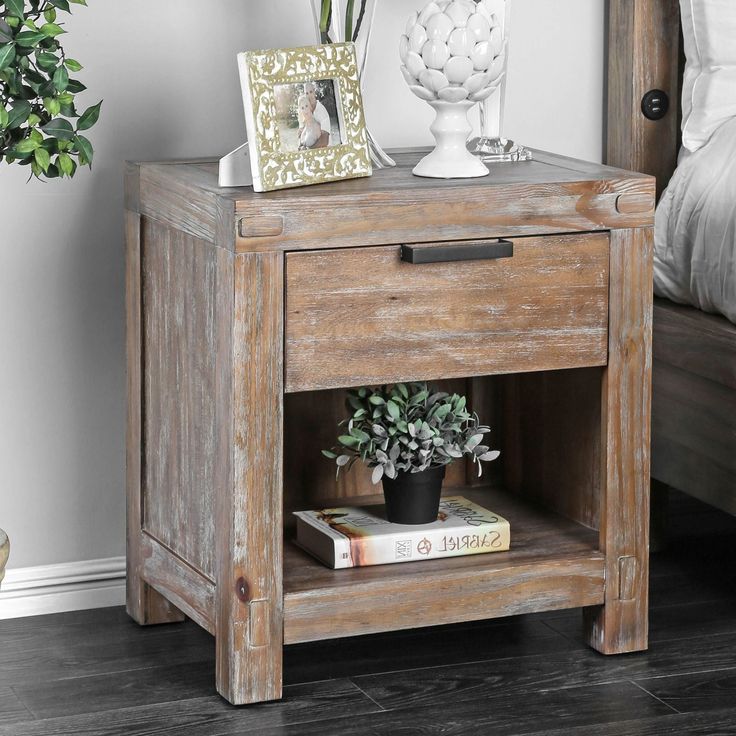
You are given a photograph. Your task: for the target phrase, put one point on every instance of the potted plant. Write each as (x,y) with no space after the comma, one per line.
(408,433)
(40,126)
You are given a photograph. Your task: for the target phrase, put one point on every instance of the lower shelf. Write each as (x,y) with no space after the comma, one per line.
(553,563)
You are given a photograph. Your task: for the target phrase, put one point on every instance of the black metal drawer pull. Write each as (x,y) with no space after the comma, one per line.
(477,251)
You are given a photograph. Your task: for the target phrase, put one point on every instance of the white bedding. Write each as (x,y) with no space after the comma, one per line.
(695,228)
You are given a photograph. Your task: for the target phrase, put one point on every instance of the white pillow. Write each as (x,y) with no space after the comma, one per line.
(709,85)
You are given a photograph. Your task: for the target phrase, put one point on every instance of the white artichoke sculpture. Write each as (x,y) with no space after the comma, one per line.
(453,50)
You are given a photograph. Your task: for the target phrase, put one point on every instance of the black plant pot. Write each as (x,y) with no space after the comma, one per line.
(413,498)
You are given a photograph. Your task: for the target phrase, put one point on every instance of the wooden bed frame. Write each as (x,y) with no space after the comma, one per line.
(694,369)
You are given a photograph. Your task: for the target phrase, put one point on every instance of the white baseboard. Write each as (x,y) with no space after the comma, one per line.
(69,586)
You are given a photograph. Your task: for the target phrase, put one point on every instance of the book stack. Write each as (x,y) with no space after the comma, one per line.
(357,536)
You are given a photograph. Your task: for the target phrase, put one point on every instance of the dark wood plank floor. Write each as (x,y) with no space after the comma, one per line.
(96,673)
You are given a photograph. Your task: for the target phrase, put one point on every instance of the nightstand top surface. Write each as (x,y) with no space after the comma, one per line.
(552,193)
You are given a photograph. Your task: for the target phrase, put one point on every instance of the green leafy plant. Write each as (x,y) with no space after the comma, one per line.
(408,427)
(351,30)
(39,124)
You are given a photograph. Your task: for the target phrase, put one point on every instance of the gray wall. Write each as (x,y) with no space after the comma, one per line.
(167,73)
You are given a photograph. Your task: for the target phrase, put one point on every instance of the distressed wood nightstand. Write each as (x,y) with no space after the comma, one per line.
(248,314)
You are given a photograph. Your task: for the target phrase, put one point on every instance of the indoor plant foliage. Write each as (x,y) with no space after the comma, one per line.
(39,124)
(409,428)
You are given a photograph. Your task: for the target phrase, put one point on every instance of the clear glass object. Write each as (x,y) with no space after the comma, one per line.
(491,146)
(364,14)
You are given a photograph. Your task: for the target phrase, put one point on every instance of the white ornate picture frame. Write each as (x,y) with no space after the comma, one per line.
(275,163)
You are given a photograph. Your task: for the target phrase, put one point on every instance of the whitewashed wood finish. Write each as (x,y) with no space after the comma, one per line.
(693,436)
(552,564)
(249,609)
(552,194)
(644,46)
(144,604)
(551,440)
(362,316)
(621,625)
(189,590)
(259,593)
(694,403)
(179,288)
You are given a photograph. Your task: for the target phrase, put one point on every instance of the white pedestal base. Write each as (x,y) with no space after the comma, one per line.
(451,158)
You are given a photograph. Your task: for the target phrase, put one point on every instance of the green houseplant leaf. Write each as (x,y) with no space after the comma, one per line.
(7,55)
(43,158)
(61,79)
(38,116)
(18,114)
(52,30)
(89,117)
(29,38)
(59,128)
(15,7)
(409,428)
(6,32)
(84,148)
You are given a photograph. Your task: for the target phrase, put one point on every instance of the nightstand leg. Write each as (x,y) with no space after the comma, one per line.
(621,624)
(143,603)
(249,509)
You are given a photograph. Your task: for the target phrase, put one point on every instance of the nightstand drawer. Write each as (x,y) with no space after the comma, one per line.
(363,316)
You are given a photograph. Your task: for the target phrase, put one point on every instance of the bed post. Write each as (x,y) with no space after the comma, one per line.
(643,55)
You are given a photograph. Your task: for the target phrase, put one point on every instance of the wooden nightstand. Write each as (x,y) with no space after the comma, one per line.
(249,313)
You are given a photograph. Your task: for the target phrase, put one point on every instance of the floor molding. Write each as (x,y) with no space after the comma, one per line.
(69,586)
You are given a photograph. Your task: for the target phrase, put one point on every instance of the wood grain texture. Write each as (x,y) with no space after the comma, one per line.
(12,709)
(621,625)
(249,506)
(717,723)
(218,315)
(643,54)
(551,194)
(552,564)
(179,582)
(634,203)
(205,715)
(701,691)
(179,332)
(362,316)
(100,674)
(92,653)
(486,680)
(694,435)
(551,440)
(183,196)
(695,352)
(694,341)
(144,604)
(517,714)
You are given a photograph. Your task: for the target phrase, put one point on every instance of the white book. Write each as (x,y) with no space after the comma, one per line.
(355,536)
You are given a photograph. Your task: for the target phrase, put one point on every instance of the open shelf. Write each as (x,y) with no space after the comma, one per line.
(553,563)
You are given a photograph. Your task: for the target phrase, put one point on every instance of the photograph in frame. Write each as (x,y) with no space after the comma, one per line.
(304,115)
